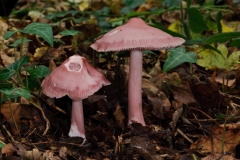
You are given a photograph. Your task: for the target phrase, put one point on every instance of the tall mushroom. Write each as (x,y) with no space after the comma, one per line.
(76,78)
(135,36)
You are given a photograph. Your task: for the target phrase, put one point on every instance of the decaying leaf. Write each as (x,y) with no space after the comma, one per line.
(143,146)
(226,78)
(119,116)
(5,110)
(183,93)
(6,60)
(210,59)
(149,88)
(214,142)
(40,52)
(160,104)
(176,115)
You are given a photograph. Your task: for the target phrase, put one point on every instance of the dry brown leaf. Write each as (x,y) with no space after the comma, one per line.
(149,88)
(161,104)
(213,143)
(143,146)
(176,115)
(7,149)
(119,116)
(218,156)
(227,78)
(6,60)
(183,93)
(63,153)
(5,110)
(231,126)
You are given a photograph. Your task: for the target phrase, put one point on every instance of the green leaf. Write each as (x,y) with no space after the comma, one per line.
(209,59)
(80,20)
(15,92)
(5,74)
(222,37)
(19,41)
(40,71)
(196,22)
(178,56)
(235,43)
(171,3)
(9,34)
(31,83)
(130,4)
(6,85)
(189,2)
(159,26)
(43,30)
(69,32)
(2,144)
(133,3)
(218,20)
(62,14)
(19,63)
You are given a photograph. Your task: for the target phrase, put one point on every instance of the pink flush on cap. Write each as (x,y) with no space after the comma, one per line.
(135,36)
(76,78)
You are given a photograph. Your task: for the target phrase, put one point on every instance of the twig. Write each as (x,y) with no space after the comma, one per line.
(184,136)
(43,114)
(204,114)
(224,129)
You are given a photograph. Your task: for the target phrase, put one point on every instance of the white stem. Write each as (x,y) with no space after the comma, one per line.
(135,113)
(77,122)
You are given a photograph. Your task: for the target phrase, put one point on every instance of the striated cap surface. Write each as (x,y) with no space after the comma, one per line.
(75,77)
(136,35)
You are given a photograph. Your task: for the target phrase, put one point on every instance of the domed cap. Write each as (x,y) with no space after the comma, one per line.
(75,77)
(136,35)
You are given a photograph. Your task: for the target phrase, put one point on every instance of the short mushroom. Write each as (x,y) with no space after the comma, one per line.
(135,36)
(76,78)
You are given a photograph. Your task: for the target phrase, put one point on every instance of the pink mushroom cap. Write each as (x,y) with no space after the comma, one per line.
(136,35)
(75,78)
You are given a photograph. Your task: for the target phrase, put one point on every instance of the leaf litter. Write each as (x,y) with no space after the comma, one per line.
(179,107)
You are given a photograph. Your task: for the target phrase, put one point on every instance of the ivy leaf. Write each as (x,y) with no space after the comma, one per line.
(5,74)
(69,32)
(19,41)
(9,34)
(15,92)
(196,22)
(39,72)
(178,56)
(43,30)
(19,63)
(130,4)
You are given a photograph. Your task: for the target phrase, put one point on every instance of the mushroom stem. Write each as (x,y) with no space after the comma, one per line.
(77,121)
(135,113)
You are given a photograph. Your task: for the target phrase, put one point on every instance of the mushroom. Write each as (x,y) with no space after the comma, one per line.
(76,78)
(135,36)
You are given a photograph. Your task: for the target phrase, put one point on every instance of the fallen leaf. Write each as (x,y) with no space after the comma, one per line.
(119,116)
(143,146)
(183,93)
(40,52)
(212,60)
(149,88)
(15,109)
(226,78)
(160,104)
(6,60)
(214,142)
